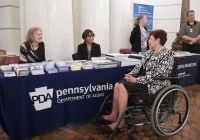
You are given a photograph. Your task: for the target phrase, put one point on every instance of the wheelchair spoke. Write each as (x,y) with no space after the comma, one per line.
(180,101)
(170,111)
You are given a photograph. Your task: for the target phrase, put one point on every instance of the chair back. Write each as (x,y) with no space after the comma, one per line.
(2,52)
(10,60)
(174,73)
(125,51)
(75,56)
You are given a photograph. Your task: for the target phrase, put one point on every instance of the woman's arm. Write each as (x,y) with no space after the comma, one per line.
(80,52)
(42,51)
(136,70)
(133,35)
(23,53)
(44,58)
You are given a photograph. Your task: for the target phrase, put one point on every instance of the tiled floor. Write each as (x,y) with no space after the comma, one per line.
(87,130)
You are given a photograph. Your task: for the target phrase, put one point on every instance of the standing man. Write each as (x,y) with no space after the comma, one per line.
(190,33)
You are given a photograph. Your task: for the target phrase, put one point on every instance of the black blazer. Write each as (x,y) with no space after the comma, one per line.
(83,52)
(135,39)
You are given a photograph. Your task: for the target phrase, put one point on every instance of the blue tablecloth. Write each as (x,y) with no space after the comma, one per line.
(34,104)
(188,69)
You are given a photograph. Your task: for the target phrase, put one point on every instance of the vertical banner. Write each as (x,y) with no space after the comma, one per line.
(146,10)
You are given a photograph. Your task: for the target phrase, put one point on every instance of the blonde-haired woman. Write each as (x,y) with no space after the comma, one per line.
(139,35)
(33,49)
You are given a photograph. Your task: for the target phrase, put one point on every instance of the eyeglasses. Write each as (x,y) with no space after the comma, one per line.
(91,35)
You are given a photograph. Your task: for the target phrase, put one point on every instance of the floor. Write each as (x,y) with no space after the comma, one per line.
(87,130)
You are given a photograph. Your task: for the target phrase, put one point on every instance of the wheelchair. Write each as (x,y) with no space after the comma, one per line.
(167,111)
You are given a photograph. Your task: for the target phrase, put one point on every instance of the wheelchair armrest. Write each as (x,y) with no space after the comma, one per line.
(165,78)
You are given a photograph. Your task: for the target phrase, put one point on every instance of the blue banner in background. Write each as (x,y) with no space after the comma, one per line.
(147,10)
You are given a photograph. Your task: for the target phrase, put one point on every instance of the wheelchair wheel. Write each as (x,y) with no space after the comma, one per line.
(132,137)
(170,110)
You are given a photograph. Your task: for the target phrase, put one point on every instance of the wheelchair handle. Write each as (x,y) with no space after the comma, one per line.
(164,78)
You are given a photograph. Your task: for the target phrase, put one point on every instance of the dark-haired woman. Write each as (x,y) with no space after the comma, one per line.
(157,62)
(88,48)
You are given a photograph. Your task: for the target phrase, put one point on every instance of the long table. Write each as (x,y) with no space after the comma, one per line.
(35,104)
(188,68)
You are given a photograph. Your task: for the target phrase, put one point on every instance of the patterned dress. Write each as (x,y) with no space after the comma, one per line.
(28,55)
(158,65)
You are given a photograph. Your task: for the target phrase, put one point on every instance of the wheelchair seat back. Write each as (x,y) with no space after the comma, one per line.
(174,73)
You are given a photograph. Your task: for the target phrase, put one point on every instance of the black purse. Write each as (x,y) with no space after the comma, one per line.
(142,71)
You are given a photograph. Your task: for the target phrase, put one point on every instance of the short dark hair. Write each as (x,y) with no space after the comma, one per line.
(190,11)
(86,33)
(161,34)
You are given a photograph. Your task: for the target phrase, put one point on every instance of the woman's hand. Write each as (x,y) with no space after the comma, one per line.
(129,78)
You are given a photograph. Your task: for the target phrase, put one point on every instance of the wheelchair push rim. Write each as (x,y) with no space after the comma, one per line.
(170,111)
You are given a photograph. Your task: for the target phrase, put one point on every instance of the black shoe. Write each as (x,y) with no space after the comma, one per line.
(106,130)
(100,120)
(102,130)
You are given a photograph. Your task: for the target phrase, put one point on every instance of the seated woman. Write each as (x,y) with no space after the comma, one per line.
(88,48)
(33,49)
(157,62)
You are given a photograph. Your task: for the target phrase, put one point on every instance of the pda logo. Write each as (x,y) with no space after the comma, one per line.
(42,98)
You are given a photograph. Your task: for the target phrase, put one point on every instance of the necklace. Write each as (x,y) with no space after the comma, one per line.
(89,48)
(34,48)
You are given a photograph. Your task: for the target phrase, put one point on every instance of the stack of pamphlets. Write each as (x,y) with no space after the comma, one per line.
(22,70)
(37,70)
(75,67)
(7,71)
(50,68)
(86,65)
(6,68)
(125,61)
(99,64)
(98,58)
(62,66)
(9,74)
(183,54)
(116,55)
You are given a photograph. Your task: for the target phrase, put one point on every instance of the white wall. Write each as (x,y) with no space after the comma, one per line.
(120,25)
(94,15)
(55,19)
(166,16)
(10,26)
(194,5)
(63,22)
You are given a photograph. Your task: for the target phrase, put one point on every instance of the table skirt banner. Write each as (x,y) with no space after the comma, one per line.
(34,104)
(188,69)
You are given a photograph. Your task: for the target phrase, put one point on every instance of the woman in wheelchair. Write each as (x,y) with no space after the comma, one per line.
(157,62)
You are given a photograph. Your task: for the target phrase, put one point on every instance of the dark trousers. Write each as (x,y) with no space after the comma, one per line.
(191,48)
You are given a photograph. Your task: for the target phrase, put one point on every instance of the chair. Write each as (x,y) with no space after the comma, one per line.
(10,60)
(2,52)
(75,56)
(125,51)
(167,111)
